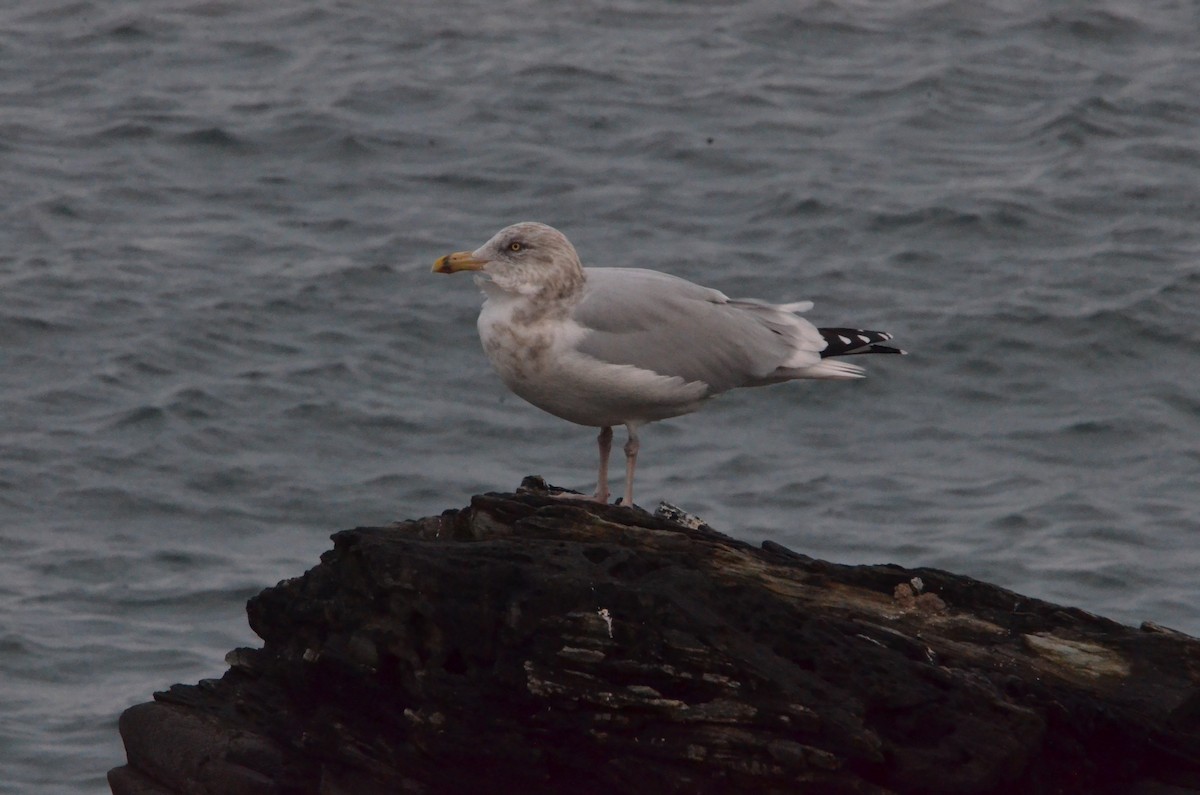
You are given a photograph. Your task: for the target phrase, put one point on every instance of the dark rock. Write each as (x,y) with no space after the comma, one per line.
(531,644)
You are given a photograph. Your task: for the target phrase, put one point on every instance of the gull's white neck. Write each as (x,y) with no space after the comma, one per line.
(562,289)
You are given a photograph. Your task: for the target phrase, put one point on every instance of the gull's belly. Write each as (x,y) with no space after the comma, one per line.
(538,362)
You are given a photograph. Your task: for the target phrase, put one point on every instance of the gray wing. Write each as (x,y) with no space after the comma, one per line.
(673,327)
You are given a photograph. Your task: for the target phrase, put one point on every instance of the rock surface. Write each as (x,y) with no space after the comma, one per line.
(530,644)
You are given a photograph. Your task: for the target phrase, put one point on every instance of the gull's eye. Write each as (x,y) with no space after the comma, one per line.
(515,246)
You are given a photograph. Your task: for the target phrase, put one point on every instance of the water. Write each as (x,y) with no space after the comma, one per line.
(220,342)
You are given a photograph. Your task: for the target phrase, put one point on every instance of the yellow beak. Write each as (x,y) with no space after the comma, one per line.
(458,261)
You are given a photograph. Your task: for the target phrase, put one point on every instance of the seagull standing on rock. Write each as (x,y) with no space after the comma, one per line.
(626,346)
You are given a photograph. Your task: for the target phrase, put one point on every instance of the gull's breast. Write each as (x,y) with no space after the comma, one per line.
(539,360)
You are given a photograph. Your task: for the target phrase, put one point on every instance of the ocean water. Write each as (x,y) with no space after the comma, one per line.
(220,341)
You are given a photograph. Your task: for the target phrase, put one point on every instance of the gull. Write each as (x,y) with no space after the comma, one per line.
(626,346)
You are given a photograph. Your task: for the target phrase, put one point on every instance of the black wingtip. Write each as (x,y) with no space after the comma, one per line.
(853,341)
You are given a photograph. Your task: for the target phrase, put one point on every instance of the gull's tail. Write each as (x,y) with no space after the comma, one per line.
(850,341)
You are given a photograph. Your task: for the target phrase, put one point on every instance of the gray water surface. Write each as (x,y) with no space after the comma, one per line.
(220,340)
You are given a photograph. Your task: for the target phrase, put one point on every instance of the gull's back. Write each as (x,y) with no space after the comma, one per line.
(673,327)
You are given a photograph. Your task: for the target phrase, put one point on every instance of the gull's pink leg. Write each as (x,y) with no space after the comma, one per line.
(605,442)
(631,451)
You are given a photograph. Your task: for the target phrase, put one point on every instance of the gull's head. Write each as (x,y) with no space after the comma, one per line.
(527,258)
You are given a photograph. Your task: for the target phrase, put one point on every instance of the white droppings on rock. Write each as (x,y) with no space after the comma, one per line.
(606,617)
